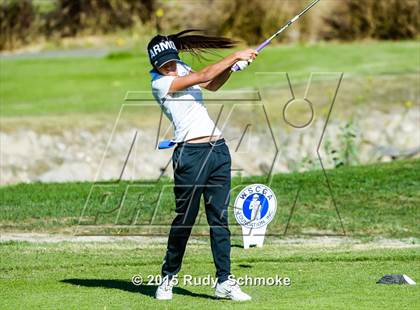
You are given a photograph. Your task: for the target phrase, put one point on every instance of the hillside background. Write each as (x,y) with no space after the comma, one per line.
(73,71)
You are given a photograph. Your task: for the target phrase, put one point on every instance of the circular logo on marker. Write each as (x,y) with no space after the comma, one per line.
(255,206)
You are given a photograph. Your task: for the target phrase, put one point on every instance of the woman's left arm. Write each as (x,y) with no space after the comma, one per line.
(218,81)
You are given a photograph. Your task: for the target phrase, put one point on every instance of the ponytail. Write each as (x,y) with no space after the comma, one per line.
(197,44)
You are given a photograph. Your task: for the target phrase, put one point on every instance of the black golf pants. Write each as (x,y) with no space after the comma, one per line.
(200,169)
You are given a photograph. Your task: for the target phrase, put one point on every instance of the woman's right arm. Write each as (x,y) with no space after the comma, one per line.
(211,71)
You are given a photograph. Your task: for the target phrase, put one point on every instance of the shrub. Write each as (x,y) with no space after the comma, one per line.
(17,19)
(386,19)
(72,17)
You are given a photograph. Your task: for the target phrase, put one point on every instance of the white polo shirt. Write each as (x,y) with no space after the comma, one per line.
(185,109)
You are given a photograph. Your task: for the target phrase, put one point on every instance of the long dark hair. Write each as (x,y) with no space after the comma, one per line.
(196,44)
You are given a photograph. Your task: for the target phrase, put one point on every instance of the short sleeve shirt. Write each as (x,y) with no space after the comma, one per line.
(185,109)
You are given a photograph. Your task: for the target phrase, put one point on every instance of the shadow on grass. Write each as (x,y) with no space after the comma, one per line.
(245,265)
(148,290)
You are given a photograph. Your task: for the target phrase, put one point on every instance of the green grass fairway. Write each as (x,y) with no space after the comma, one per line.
(98,275)
(45,86)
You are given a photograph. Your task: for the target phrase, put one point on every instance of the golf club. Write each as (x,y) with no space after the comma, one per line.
(243,63)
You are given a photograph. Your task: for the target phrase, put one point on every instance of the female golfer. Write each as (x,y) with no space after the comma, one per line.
(201,158)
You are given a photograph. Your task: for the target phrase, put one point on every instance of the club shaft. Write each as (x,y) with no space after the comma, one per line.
(266,42)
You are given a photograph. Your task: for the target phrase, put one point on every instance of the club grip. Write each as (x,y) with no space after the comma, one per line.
(235,68)
(240,65)
(262,45)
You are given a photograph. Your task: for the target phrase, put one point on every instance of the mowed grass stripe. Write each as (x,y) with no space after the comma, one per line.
(98,275)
